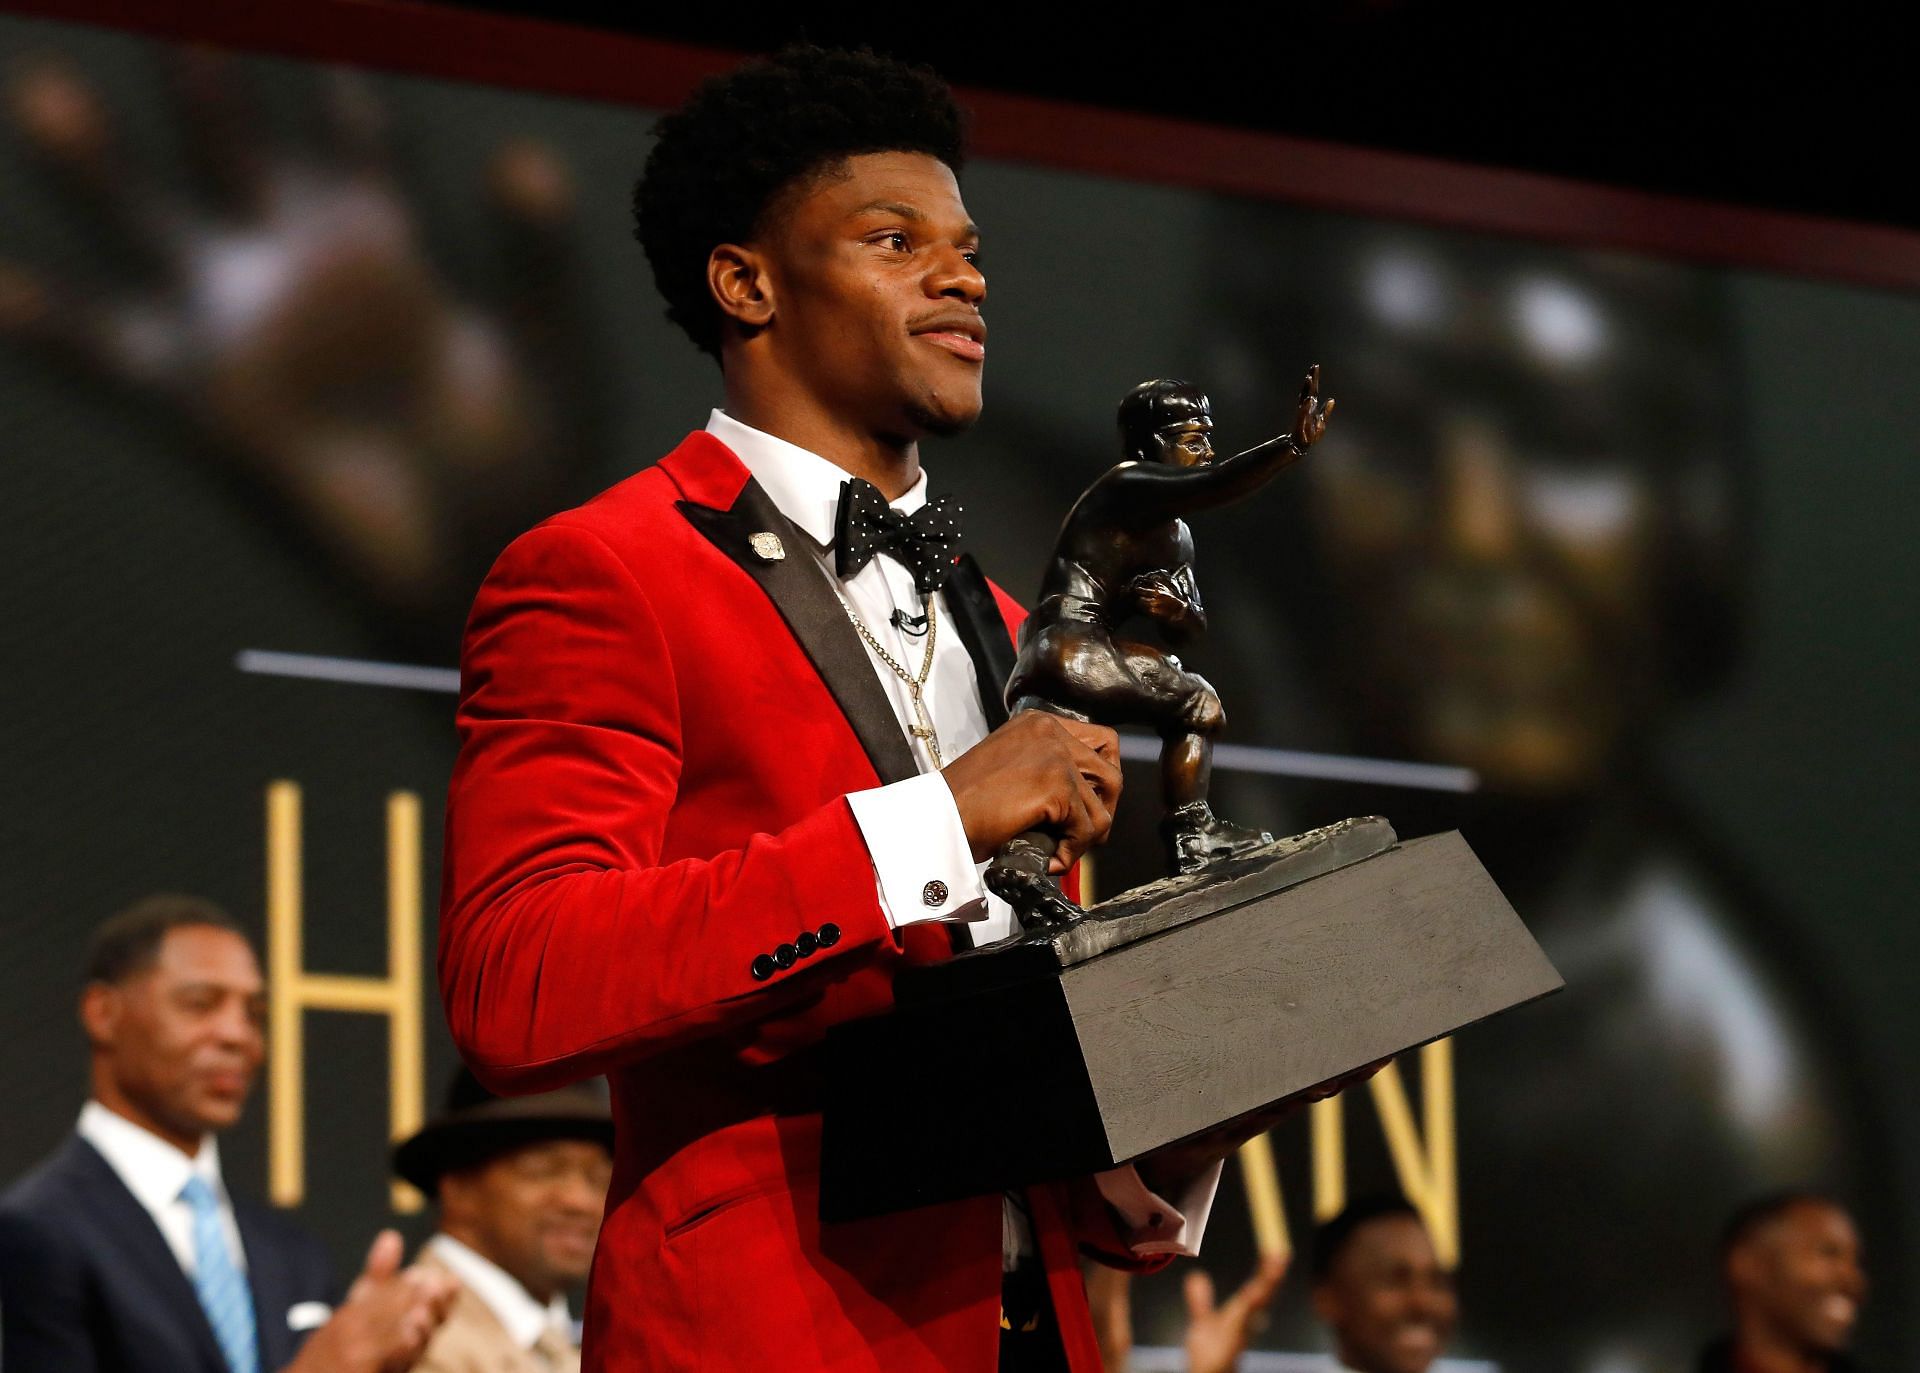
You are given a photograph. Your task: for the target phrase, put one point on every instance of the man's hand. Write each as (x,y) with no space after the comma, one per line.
(384,1324)
(1170,1171)
(1038,772)
(1217,1335)
(1310,418)
(1157,596)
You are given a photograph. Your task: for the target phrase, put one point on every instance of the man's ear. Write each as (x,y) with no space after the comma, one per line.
(101,1006)
(1743,1268)
(741,285)
(455,1194)
(1326,1305)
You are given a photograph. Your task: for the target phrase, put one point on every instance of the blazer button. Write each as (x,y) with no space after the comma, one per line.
(806,943)
(934,894)
(786,956)
(829,935)
(762,969)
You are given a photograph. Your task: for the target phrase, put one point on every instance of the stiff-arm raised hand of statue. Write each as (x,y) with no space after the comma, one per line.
(1311,415)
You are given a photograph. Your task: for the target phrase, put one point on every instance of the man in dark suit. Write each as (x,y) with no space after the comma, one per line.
(124,1251)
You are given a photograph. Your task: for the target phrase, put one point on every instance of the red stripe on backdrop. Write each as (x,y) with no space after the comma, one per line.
(591,64)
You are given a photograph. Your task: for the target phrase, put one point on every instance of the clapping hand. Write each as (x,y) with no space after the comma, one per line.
(387,1319)
(1218,1334)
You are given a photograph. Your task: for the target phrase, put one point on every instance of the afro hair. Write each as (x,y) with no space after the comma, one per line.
(1330,1241)
(722,161)
(1760,1212)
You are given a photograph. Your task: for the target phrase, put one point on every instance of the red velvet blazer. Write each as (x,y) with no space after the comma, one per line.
(658,728)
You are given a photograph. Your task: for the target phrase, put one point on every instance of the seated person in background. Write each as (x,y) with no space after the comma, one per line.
(1217,1332)
(1379,1287)
(520,1183)
(1791,1263)
(124,1251)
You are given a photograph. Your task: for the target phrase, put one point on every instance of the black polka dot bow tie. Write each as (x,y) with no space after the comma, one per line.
(925,542)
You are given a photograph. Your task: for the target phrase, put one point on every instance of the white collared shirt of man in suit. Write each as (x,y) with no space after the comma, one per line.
(912,828)
(157,1173)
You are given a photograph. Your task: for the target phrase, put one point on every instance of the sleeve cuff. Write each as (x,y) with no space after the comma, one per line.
(922,862)
(1152,1225)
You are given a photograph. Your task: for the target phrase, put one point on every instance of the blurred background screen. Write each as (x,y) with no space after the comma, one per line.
(289,351)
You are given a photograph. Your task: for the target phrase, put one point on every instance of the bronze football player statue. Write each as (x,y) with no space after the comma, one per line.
(1125,552)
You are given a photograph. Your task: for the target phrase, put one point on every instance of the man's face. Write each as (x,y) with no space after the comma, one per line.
(1389,1303)
(1188,443)
(876,295)
(534,1211)
(1799,1278)
(181,1042)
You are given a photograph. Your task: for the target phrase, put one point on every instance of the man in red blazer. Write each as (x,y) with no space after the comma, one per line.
(718,781)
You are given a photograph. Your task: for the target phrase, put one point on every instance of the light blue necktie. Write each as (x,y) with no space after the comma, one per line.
(223,1292)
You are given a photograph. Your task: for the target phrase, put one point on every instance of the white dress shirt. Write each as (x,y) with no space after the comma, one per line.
(524,1319)
(912,829)
(155,1172)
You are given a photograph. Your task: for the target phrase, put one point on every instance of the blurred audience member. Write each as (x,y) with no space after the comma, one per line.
(124,1250)
(521,1184)
(1791,1262)
(1379,1287)
(1217,1333)
(281,299)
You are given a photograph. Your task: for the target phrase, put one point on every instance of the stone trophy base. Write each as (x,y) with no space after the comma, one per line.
(1169,1010)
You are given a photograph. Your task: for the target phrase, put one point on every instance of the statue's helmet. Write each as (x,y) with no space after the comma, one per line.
(1154,405)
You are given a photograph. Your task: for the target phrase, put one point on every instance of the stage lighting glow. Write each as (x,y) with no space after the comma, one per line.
(1558,321)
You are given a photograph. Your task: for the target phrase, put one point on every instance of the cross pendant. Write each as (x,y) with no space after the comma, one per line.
(922,729)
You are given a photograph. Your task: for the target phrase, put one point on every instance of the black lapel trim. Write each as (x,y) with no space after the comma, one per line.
(272,1287)
(140,1244)
(977,620)
(799,588)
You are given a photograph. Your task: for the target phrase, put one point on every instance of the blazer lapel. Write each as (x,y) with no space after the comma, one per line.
(977,620)
(141,1246)
(801,590)
(272,1286)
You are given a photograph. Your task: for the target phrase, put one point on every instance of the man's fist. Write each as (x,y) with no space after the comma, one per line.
(384,1324)
(1038,772)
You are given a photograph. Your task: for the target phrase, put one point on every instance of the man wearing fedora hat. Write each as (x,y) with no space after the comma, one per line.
(520,1184)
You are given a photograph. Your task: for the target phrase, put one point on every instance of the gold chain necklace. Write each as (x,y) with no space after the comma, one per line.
(922,726)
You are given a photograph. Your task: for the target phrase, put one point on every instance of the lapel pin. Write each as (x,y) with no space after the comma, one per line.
(767,547)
